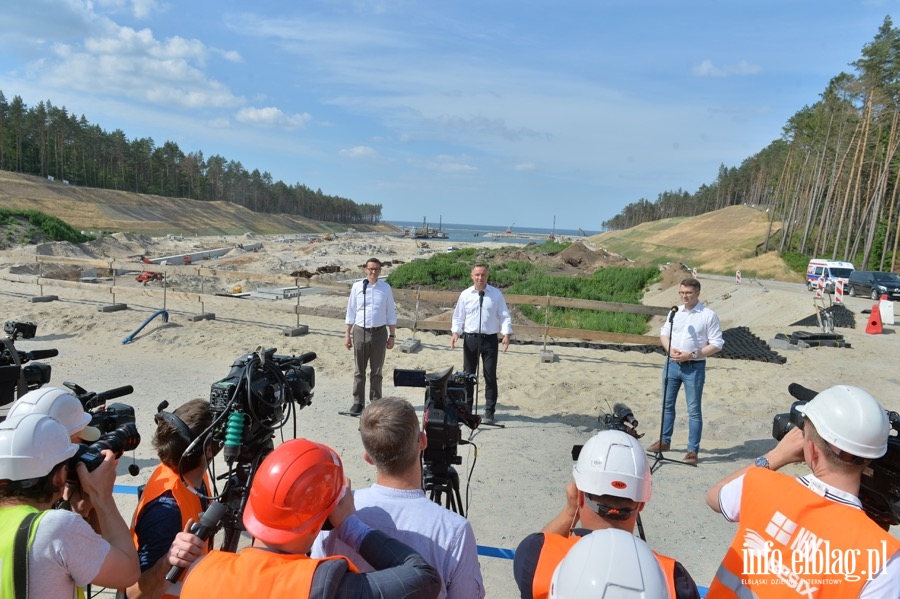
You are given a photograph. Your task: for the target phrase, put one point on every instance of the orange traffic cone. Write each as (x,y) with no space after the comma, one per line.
(874,325)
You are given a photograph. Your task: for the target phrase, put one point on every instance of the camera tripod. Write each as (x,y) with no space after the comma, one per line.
(444,487)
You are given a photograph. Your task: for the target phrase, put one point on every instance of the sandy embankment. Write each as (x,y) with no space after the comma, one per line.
(517,482)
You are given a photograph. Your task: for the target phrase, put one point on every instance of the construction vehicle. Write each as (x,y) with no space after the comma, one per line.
(147,276)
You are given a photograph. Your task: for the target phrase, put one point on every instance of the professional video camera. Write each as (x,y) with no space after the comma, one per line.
(14,368)
(253,401)
(621,419)
(447,406)
(115,421)
(880,484)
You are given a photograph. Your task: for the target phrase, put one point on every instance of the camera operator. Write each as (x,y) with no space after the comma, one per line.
(612,485)
(396,503)
(167,505)
(844,428)
(59,551)
(297,487)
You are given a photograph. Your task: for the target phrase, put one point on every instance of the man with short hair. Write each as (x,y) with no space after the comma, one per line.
(371,326)
(479,317)
(52,553)
(611,486)
(296,488)
(787,526)
(690,336)
(173,496)
(397,506)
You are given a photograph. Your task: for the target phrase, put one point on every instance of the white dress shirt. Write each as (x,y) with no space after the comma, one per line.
(494,314)
(374,309)
(692,330)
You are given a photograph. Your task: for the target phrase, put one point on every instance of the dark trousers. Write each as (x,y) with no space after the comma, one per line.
(489,346)
(369,348)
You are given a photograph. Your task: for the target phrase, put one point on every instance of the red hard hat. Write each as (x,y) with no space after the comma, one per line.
(293,492)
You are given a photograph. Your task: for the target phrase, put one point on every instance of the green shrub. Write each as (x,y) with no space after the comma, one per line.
(50,227)
(796,261)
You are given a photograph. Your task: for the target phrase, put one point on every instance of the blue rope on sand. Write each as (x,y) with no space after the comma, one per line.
(130,337)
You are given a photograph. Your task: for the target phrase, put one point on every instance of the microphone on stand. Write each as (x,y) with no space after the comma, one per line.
(481,298)
(672,314)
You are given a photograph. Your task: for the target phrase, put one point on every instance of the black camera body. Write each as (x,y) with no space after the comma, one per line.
(880,483)
(620,419)
(447,407)
(15,369)
(119,440)
(255,399)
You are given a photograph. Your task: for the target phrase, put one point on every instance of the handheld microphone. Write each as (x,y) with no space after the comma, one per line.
(672,314)
(209,523)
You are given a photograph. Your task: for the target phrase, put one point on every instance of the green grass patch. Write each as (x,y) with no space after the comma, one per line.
(50,228)
(796,261)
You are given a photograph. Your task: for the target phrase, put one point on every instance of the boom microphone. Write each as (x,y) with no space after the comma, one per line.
(624,413)
(209,523)
(672,314)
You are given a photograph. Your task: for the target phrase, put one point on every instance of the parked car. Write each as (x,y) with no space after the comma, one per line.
(874,284)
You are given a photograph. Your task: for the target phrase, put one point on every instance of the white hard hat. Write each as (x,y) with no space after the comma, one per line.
(59,404)
(609,564)
(850,419)
(613,463)
(31,445)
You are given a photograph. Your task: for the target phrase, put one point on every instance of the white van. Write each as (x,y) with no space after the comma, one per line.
(832,270)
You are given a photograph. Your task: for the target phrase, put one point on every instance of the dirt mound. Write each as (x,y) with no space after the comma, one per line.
(674,274)
(578,255)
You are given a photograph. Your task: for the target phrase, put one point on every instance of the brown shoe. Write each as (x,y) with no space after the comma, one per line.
(690,458)
(659,446)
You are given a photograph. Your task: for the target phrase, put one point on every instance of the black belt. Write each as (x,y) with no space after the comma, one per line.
(371,328)
(482,335)
(693,361)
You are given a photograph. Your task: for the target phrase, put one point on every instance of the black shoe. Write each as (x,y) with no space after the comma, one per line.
(355,410)
(488,418)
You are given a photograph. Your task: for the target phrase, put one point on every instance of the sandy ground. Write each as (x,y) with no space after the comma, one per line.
(516,484)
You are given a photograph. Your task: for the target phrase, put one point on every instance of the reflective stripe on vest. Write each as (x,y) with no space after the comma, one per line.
(794,543)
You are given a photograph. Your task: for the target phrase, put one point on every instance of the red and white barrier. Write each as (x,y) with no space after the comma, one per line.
(820,287)
(839,291)
(737,277)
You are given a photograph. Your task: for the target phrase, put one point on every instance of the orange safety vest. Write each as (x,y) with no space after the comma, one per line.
(253,572)
(166,479)
(794,543)
(555,549)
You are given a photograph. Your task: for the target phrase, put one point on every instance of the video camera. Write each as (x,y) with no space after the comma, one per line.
(621,419)
(14,368)
(255,399)
(447,407)
(115,421)
(880,484)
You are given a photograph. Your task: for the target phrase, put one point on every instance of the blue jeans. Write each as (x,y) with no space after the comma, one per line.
(692,375)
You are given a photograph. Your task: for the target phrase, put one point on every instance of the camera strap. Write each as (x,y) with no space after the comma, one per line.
(20,554)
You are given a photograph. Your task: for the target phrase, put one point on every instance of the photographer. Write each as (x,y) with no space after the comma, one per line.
(167,505)
(60,552)
(297,487)
(396,503)
(783,521)
(612,485)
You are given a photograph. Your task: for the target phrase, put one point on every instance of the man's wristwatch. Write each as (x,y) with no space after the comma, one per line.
(763,462)
(694,355)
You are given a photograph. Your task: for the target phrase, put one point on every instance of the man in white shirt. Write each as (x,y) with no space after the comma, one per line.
(397,505)
(371,323)
(690,336)
(479,317)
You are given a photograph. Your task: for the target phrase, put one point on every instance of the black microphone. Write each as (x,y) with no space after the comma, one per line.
(672,314)
(209,523)
(41,354)
(480,298)
(624,413)
(365,284)
(800,392)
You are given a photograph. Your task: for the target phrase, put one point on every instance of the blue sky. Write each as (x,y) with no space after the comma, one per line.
(474,112)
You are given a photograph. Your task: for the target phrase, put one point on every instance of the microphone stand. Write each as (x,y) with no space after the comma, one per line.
(658,454)
(478,351)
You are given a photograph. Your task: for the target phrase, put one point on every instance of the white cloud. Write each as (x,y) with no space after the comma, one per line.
(271,116)
(359,152)
(524,167)
(706,68)
(450,164)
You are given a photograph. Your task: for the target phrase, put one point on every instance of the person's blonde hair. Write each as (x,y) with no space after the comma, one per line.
(389,428)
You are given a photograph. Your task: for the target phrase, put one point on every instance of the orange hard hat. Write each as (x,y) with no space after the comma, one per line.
(293,491)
